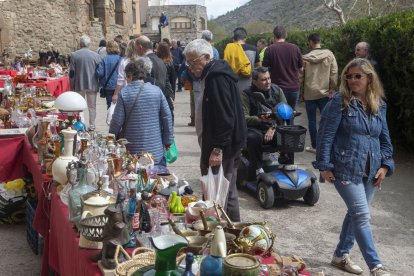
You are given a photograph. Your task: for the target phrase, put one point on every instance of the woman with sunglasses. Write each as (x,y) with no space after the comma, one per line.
(354,152)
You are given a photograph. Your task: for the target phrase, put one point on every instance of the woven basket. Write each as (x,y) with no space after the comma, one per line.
(140,257)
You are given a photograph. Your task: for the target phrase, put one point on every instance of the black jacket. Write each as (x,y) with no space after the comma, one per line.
(224,125)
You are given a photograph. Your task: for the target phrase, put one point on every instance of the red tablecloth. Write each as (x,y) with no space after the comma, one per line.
(54,87)
(9,72)
(64,255)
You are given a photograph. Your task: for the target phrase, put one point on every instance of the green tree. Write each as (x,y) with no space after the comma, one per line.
(219,33)
(258,27)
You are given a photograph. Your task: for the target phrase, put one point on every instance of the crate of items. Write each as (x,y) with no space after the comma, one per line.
(34,240)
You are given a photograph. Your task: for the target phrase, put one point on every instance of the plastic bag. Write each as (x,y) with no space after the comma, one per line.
(172,153)
(111,110)
(215,186)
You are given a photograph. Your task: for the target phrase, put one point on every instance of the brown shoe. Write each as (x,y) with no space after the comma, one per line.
(191,124)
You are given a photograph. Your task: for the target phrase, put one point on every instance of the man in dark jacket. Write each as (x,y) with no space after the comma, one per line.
(223,127)
(159,71)
(260,129)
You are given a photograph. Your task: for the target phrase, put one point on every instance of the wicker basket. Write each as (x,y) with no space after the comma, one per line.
(140,257)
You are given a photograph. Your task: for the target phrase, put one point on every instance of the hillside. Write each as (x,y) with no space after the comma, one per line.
(301,14)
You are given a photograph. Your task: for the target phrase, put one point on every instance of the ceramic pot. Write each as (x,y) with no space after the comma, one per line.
(241,265)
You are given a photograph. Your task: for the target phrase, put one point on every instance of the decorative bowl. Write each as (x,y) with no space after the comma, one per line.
(92,227)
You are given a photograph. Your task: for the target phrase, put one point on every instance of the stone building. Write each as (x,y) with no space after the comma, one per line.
(186,20)
(36,23)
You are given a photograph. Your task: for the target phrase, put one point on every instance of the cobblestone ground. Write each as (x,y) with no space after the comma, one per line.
(309,232)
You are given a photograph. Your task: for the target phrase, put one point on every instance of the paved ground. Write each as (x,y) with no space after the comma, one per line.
(309,232)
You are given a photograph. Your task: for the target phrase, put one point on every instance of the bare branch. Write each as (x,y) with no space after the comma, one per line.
(334,6)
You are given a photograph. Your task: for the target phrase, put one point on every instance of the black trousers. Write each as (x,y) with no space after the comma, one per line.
(255,141)
(230,166)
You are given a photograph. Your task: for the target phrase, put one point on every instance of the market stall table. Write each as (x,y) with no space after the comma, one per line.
(9,72)
(54,86)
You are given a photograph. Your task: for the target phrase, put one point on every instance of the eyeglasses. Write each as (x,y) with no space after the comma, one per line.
(353,76)
(192,62)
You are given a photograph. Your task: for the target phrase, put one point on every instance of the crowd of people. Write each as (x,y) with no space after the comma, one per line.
(352,145)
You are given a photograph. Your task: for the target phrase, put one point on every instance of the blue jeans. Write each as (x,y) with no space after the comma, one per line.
(311,107)
(356,225)
(292,98)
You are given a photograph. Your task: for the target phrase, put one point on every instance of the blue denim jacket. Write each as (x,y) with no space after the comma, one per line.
(104,69)
(349,138)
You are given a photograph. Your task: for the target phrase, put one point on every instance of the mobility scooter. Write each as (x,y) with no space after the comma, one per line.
(281,178)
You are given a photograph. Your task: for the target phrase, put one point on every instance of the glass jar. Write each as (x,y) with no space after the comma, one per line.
(75,207)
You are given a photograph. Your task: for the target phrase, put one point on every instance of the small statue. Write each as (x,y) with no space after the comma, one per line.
(115,233)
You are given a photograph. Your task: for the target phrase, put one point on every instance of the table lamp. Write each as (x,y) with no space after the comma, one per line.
(69,102)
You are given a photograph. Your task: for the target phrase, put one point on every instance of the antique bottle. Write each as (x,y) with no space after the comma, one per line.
(189,259)
(212,265)
(75,194)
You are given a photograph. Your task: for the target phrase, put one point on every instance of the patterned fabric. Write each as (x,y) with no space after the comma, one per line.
(150,124)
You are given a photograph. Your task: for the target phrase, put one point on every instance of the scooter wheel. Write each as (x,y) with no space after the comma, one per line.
(312,194)
(265,195)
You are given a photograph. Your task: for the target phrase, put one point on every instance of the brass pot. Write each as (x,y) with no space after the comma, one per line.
(211,225)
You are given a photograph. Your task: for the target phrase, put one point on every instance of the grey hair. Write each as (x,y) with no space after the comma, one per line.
(85,41)
(207,35)
(138,69)
(199,47)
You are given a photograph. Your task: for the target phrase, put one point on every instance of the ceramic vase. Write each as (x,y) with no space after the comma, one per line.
(60,164)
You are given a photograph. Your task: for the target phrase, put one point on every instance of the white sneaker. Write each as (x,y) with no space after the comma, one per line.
(345,263)
(310,149)
(379,270)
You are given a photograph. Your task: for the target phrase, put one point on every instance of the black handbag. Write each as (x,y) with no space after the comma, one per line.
(102,89)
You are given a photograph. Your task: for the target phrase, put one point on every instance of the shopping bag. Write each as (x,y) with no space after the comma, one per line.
(109,113)
(215,186)
(172,153)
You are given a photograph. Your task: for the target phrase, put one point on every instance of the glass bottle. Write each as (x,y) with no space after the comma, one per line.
(189,259)
(75,208)
(39,134)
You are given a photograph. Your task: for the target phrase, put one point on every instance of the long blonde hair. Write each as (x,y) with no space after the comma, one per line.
(375,91)
(130,51)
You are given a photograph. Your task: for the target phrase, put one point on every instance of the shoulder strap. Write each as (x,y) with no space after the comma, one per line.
(132,108)
(112,72)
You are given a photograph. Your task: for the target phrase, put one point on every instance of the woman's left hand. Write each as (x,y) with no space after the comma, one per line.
(379,176)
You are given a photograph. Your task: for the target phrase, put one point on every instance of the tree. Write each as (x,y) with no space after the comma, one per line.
(334,6)
(367,6)
(219,33)
(258,27)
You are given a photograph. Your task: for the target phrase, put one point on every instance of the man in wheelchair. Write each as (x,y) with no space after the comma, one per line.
(259,101)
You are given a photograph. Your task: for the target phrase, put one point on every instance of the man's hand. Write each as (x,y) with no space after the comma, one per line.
(269,134)
(216,157)
(3,112)
(265,118)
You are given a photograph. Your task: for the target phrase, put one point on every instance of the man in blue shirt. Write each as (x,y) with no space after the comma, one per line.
(163,21)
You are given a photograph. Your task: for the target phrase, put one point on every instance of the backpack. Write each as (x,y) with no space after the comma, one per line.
(238,60)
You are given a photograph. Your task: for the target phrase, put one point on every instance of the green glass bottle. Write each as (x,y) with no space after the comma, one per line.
(75,208)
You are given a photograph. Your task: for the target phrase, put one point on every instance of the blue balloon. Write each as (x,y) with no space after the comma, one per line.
(284,111)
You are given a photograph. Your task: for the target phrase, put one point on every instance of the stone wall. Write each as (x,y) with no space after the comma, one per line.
(195,14)
(36,23)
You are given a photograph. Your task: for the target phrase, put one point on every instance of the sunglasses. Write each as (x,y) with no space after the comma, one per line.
(355,76)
